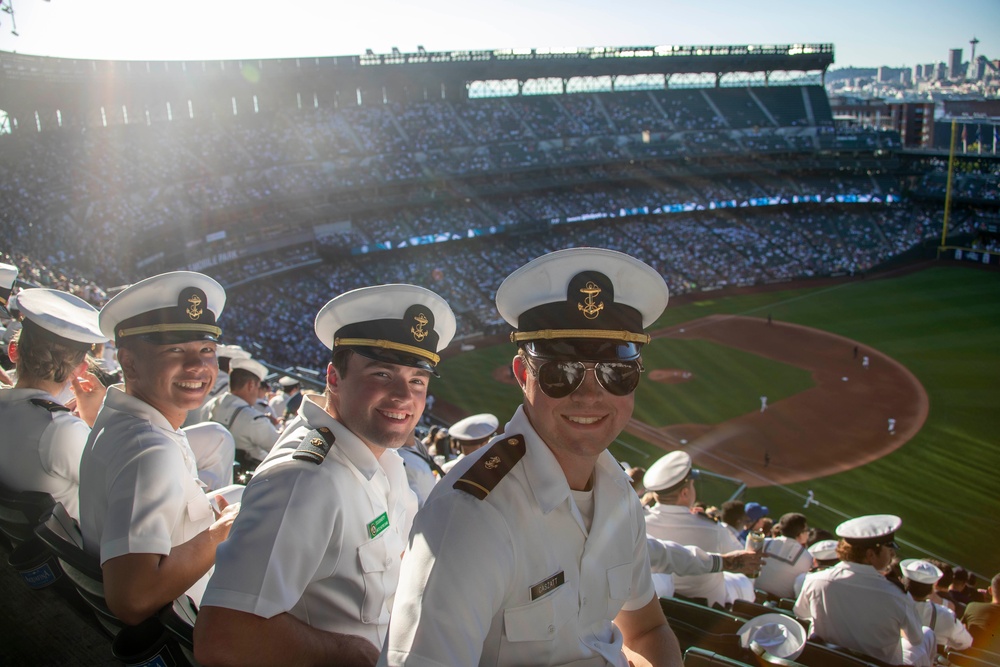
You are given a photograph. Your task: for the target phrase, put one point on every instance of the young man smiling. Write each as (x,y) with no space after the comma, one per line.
(309,572)
(143,510)
(532,551)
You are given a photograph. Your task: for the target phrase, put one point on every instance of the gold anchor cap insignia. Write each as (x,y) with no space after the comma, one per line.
(195,310)
(590,308)
(418,331)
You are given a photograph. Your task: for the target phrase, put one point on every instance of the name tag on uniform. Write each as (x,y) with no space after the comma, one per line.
(550,584)
(378,525)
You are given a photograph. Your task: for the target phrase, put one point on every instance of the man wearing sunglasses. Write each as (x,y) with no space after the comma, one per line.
(532,551)
(854,605)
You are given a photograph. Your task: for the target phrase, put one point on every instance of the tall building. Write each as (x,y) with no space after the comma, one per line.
(918,72)
(954,63)
(940,72)
(929,71)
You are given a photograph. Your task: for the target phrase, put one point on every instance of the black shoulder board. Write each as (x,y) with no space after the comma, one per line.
(51,406)
(487,472)
(315,450)
(261,416)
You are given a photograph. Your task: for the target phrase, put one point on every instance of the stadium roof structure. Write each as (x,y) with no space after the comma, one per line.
(92,92)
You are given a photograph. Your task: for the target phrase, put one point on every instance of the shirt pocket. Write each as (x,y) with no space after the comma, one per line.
(619,587)
(539,620)
(199,513)
(375,560)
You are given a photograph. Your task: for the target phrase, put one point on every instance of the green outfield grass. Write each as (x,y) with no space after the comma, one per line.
(942,323)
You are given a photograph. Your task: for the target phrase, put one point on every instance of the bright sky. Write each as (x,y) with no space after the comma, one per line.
(865,32)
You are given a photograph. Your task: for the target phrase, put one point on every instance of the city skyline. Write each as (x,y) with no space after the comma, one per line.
(894,33)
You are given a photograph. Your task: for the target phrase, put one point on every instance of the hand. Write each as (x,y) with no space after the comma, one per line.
(224,518)
(743,562)
(89,393)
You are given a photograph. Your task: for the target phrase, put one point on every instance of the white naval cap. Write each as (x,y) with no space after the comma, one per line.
(669,472)
(474,427)
(249,365)
(871,530)
(780,635)
(287,381)
(398,324)
(824,550)
(920,571)
(61,314)
(174,307)
(232,352)
(582,303)
(8,274)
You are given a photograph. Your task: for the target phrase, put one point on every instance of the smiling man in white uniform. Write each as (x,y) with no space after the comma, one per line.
(533,551)
(309,573)
(143,510)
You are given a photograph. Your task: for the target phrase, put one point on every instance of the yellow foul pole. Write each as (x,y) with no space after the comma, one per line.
(947,192)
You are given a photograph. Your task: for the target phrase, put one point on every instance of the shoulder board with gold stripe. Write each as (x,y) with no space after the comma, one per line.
(493,466)
(314,449)
(51,406)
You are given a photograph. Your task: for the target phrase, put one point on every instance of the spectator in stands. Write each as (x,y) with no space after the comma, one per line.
(672,479)
(252,430)
(959,589)
(756,513)
(470,434)
(824,556)
(316,587)
(734,518)
(854,606)
(545,515)
(422,472)
(919,577)
(142,508)
(282,404)
(941,594)
(787,556)
(43,441)
(983,619)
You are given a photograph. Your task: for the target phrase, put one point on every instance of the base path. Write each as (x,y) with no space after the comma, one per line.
(835,426)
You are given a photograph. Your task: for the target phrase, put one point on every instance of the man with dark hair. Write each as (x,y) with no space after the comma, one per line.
(734,518)
(853,605)
(919,577)
(983,619)
(787,556)
(534,552)
(252,430)
(309,572)
(143,510)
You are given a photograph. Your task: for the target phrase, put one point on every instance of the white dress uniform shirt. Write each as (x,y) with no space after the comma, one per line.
(139,486)
(278,403)
(40,449)
(418,473)
(517,578)
(854,606)
(786,560)
(251,430)
(678,524)
(322,542)
(949,631)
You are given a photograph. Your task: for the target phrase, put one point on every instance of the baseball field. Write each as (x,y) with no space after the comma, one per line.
(932,339)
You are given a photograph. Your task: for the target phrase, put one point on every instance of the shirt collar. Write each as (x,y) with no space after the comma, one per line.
(545,476)
(348,444)
(117,399)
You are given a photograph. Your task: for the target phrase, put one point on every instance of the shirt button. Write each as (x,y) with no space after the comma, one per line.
(388,562)
(552,629)
(584,600)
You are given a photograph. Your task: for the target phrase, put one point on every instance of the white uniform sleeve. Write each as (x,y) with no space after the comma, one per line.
(951,631)
(145,501)
(452,584)
(262,434)
(270,557)
(642,577)
(666,557)
(61,446)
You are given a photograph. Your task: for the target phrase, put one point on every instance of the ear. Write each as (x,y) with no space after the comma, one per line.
(332,379)
(520,368)
(12,352)
(126,359)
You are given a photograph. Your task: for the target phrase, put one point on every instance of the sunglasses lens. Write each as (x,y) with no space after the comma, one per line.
(619,379)
(560,378)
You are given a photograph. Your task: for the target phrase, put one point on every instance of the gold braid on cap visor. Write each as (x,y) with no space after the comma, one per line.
(169,328)
(605,334)
(388,345)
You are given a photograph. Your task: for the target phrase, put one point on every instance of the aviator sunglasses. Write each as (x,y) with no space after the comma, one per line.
(558,379)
